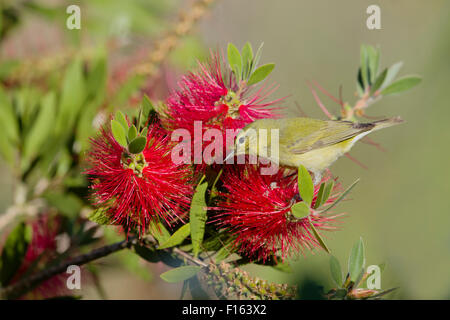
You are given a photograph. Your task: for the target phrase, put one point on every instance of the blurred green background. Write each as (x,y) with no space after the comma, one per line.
(400,207)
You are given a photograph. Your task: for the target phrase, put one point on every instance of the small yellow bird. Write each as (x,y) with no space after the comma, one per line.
(313,143)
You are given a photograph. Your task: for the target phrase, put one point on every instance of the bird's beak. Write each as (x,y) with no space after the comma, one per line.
(230,155)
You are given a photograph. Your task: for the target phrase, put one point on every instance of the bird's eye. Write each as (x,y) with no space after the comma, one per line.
(241,140)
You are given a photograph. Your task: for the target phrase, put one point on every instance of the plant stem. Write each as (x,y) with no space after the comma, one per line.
(17,289)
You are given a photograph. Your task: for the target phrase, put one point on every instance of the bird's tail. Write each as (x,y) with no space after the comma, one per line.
(385,123)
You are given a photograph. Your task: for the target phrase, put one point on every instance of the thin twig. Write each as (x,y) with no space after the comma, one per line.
(18,288)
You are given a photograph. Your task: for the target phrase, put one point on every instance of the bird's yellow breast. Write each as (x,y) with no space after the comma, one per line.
(318,160)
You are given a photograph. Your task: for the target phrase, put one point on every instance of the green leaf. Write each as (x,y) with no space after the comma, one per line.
(373,57)
(247,57)
(319,197)
(255,61)
(13,252)
(318,237)
(158,231)
(132,133)
(261,73)
(327,192)
(392,73)
(96,80)
(341,197)
(305,185)
(300,210)
(197,216)
(119,133)
(147,106)
(137,145)
(363,67)
(98,216)
(357,260)
(177,238)
(72,96)
(378,82)
(336,271)
(120,117)
(235,60)
(42,127)
(324,193)
(180,274)
(402,84)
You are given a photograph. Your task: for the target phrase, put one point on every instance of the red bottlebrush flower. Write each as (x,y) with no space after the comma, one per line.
(256,209)
(41,250)
(134,190)
(212,95)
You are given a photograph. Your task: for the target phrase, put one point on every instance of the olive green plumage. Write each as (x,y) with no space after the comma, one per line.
(313,143)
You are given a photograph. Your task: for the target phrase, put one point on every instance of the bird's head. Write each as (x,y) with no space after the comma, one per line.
(248,141)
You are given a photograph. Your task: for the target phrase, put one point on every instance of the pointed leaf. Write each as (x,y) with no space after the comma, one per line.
(147,106)
(255,61)
(132,133)
(402,84)
(305,185)
(197,216)
(178,237)
(137,145)
(341,197)
(42,127)
(318,237)
(180,274)
(336,271)
(319,197)
(327,192)
(96,80)
(392,73)
(359,83)
(363,67)
(234,59)
(373,57)
(300,210)
(247,57)
(378,82)
(261,73)
(119,133)
(72,96)
(356,261)
(120,117)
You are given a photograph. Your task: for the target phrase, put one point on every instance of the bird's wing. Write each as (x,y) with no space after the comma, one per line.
(313,134)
